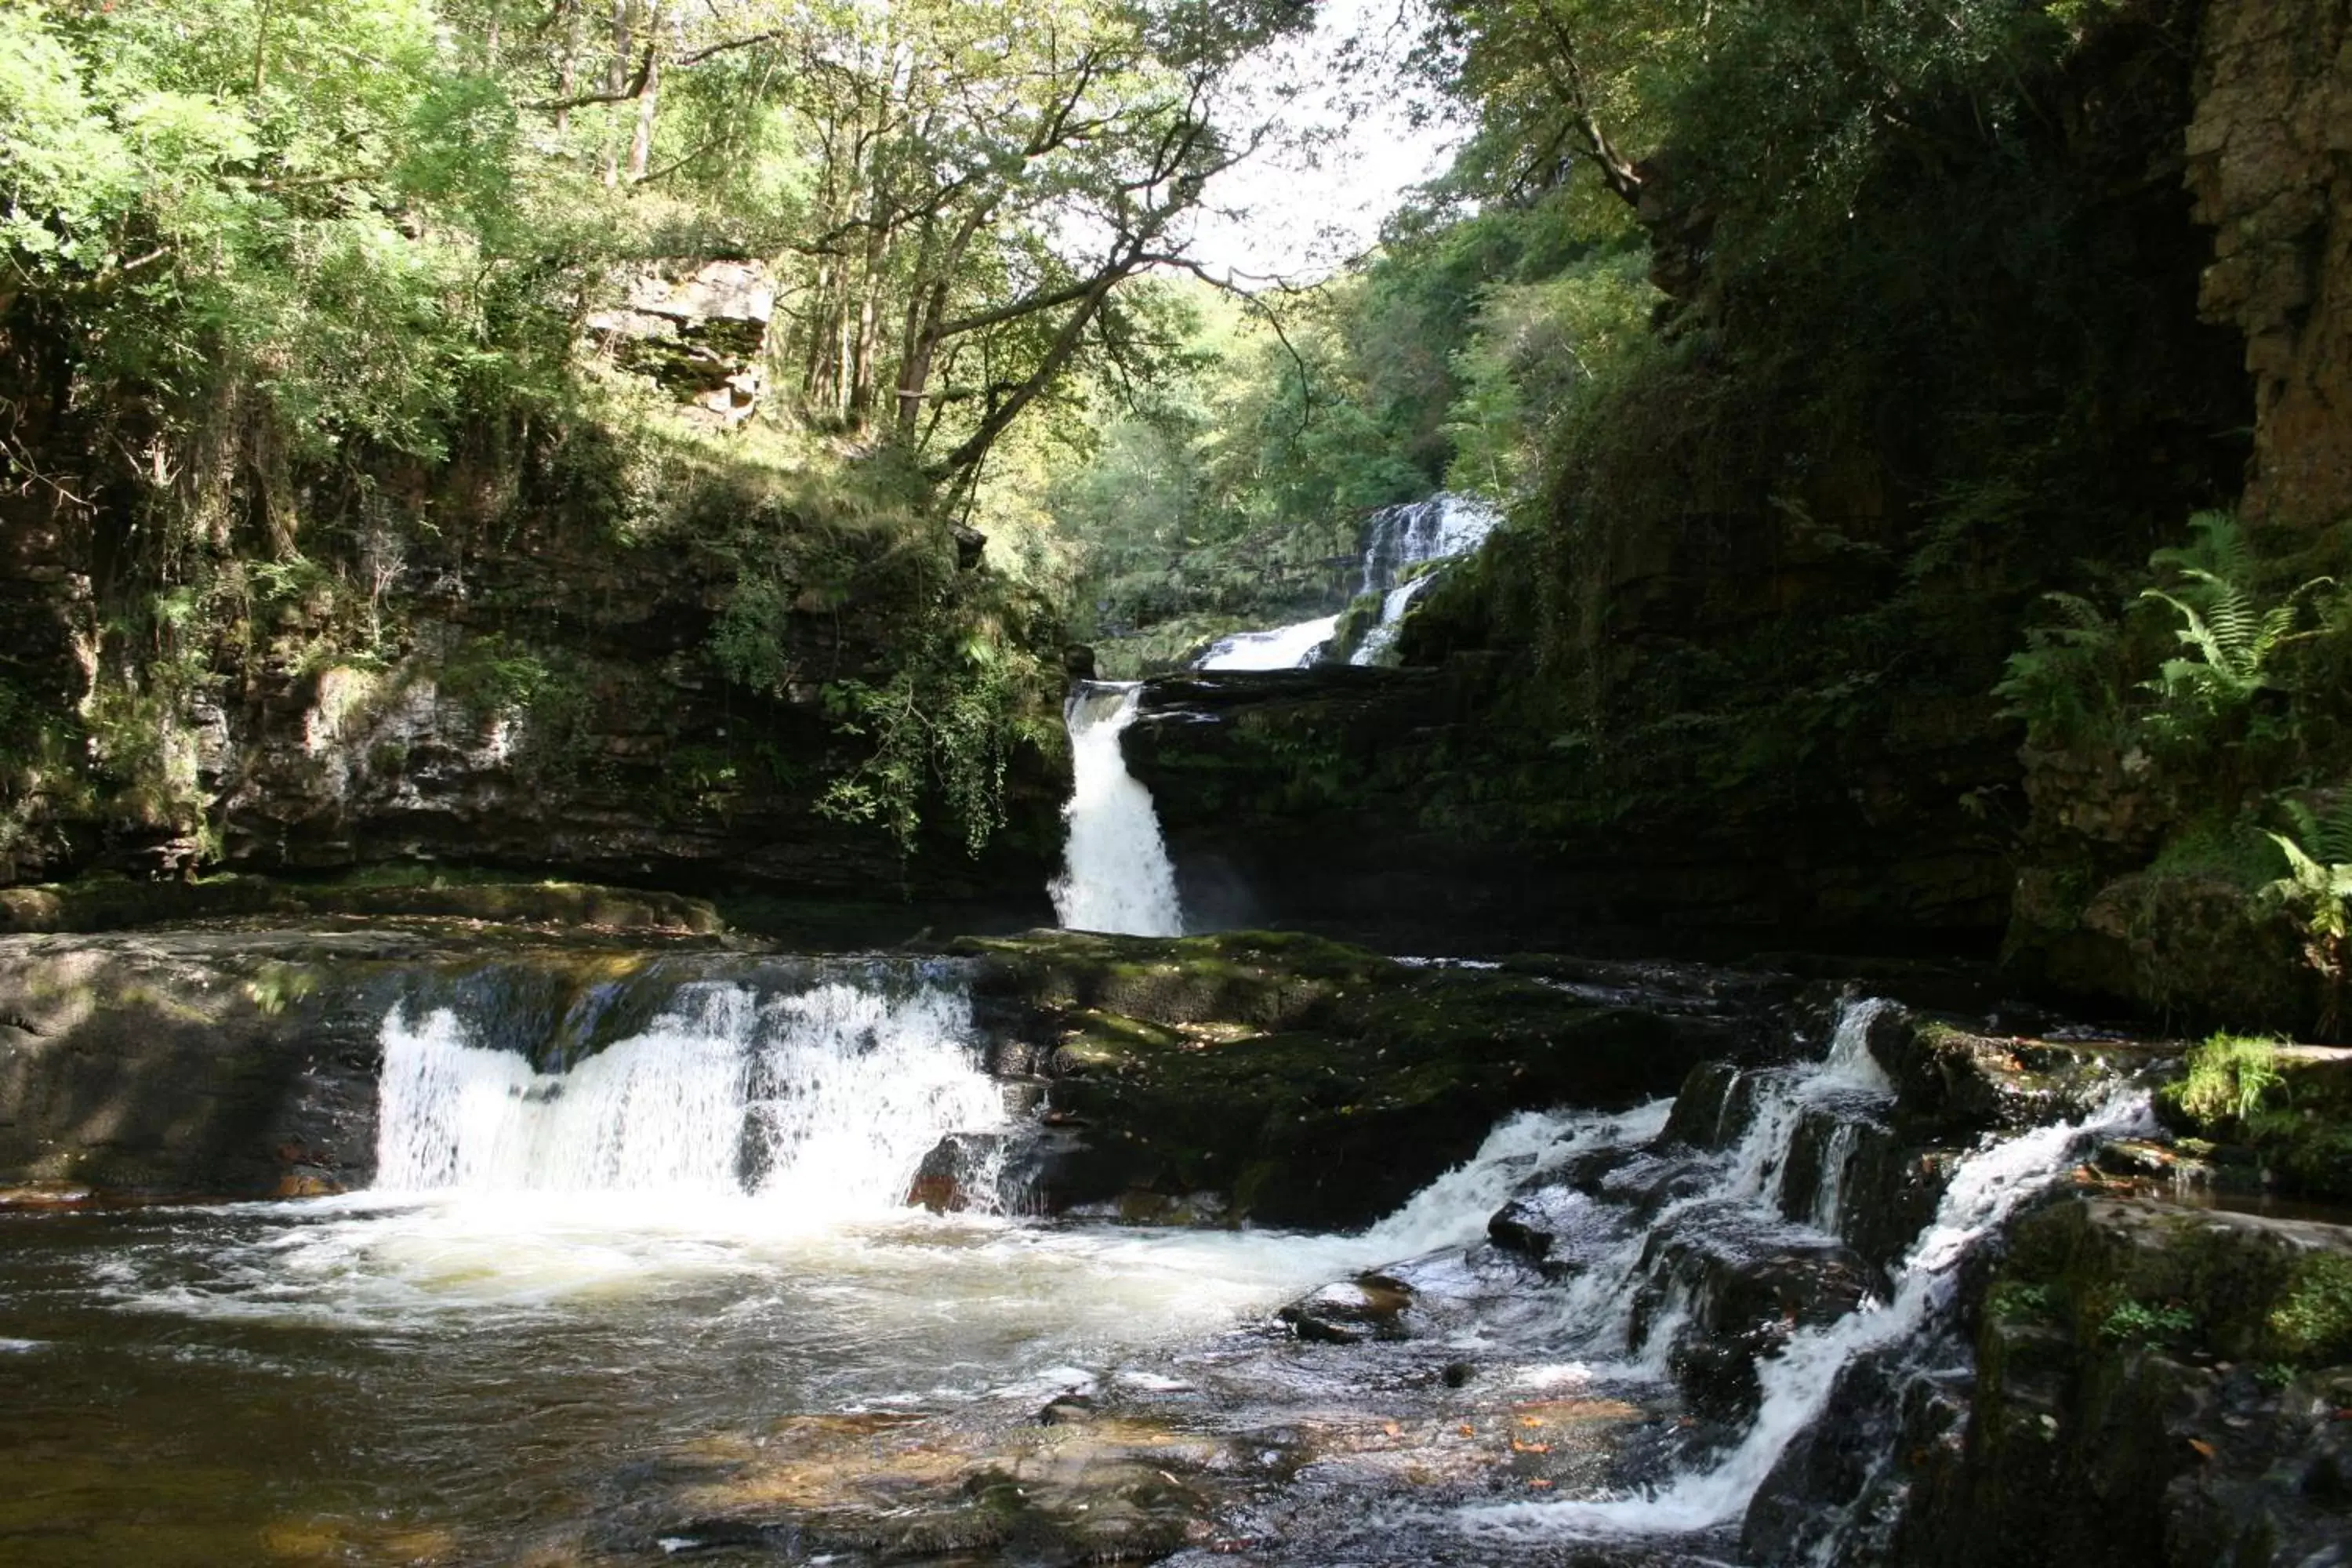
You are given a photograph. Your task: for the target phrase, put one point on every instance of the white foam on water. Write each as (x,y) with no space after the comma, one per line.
(1294,647)
(818,1105)
(1986,1188)
(1453,1210)
(1116,874)
(1435,529)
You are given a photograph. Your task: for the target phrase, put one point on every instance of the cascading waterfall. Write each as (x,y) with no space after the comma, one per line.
(1747,1191)
(1115,873)
(1393,604)
(821,1102)
(1292,646)
(1396,539)
(1437,529)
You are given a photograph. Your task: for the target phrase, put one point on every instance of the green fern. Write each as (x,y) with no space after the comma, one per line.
(2326,834)
(2233,636)
(2319,869)
(2062,684)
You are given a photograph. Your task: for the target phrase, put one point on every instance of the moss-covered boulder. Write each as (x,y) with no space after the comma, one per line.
(97,903)
(2257,1116)
(1303,1081)
(2153,1384)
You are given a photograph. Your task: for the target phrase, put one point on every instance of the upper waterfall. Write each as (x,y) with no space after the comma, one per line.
(1396,539)
(1116,874)
(1436,528)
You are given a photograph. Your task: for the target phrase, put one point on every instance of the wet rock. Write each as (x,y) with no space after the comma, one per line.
(2152,1384)
(1951,1085)
(1103,1489)
(1739,1289)
(1369,1307)
(1713,1107)
(1312,1084)
(1533,1224)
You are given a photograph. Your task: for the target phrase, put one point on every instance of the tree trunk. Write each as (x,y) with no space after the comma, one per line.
(641,142)
(616,79)
(567,65)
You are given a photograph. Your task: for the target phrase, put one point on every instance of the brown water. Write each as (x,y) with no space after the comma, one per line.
(322,1383)
(533,1377)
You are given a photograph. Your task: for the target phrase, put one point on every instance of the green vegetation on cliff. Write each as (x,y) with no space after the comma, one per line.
(345,349)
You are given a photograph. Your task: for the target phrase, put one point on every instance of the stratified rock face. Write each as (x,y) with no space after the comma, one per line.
(2270,164)
(700,330)
(208,1065)
(1391,805)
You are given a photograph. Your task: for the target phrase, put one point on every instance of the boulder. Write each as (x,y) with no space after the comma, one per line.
(1305,1082)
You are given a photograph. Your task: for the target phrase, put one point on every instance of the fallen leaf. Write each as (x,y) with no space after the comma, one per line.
(1530,1420)
(1519,1447)
(1392,1428)
(1468,1430)
(1538,1482)
(2204,1449)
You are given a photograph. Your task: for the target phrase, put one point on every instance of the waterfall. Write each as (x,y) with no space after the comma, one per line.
(1116,874)
(1293,647)
(1393,604)
(1437,529)
(821,1102)
(1396,539)
(1743,1204)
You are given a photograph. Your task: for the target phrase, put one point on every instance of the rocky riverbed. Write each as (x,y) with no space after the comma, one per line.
(1252,1248)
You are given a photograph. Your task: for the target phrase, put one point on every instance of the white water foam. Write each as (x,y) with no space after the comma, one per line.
(1293,647)
(822,1103)
(1393,604)
(1453,1209)
(1436,528)
(1986,1188)
(1115,873)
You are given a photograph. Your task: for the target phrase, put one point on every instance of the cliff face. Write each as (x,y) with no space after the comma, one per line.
(2270,165)
(2114,900)
(531,657)
(1735,675)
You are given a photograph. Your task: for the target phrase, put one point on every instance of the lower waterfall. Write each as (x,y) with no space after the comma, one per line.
(824,1101)
(1115,873)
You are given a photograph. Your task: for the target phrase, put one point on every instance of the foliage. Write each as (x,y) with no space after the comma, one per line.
(2228,1078)
(2132,1321)
(2064,683)
(2319,879)
(2233,637)
(2313,1325)
(944,726)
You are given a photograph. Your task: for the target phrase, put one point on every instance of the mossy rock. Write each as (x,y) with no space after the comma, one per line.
(102,904)
(2298,1141)
(1311,1083)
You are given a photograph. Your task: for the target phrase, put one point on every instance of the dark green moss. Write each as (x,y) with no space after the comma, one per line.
(1310,1083)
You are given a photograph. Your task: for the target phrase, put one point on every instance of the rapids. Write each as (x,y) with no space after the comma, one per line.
(575,1284)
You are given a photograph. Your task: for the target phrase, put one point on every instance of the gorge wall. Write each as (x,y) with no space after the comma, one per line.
(519,660)
(1731,680)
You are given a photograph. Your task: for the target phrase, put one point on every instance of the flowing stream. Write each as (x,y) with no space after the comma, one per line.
(697,1234)
(1398,539)
(1116,874)
(684,1237)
